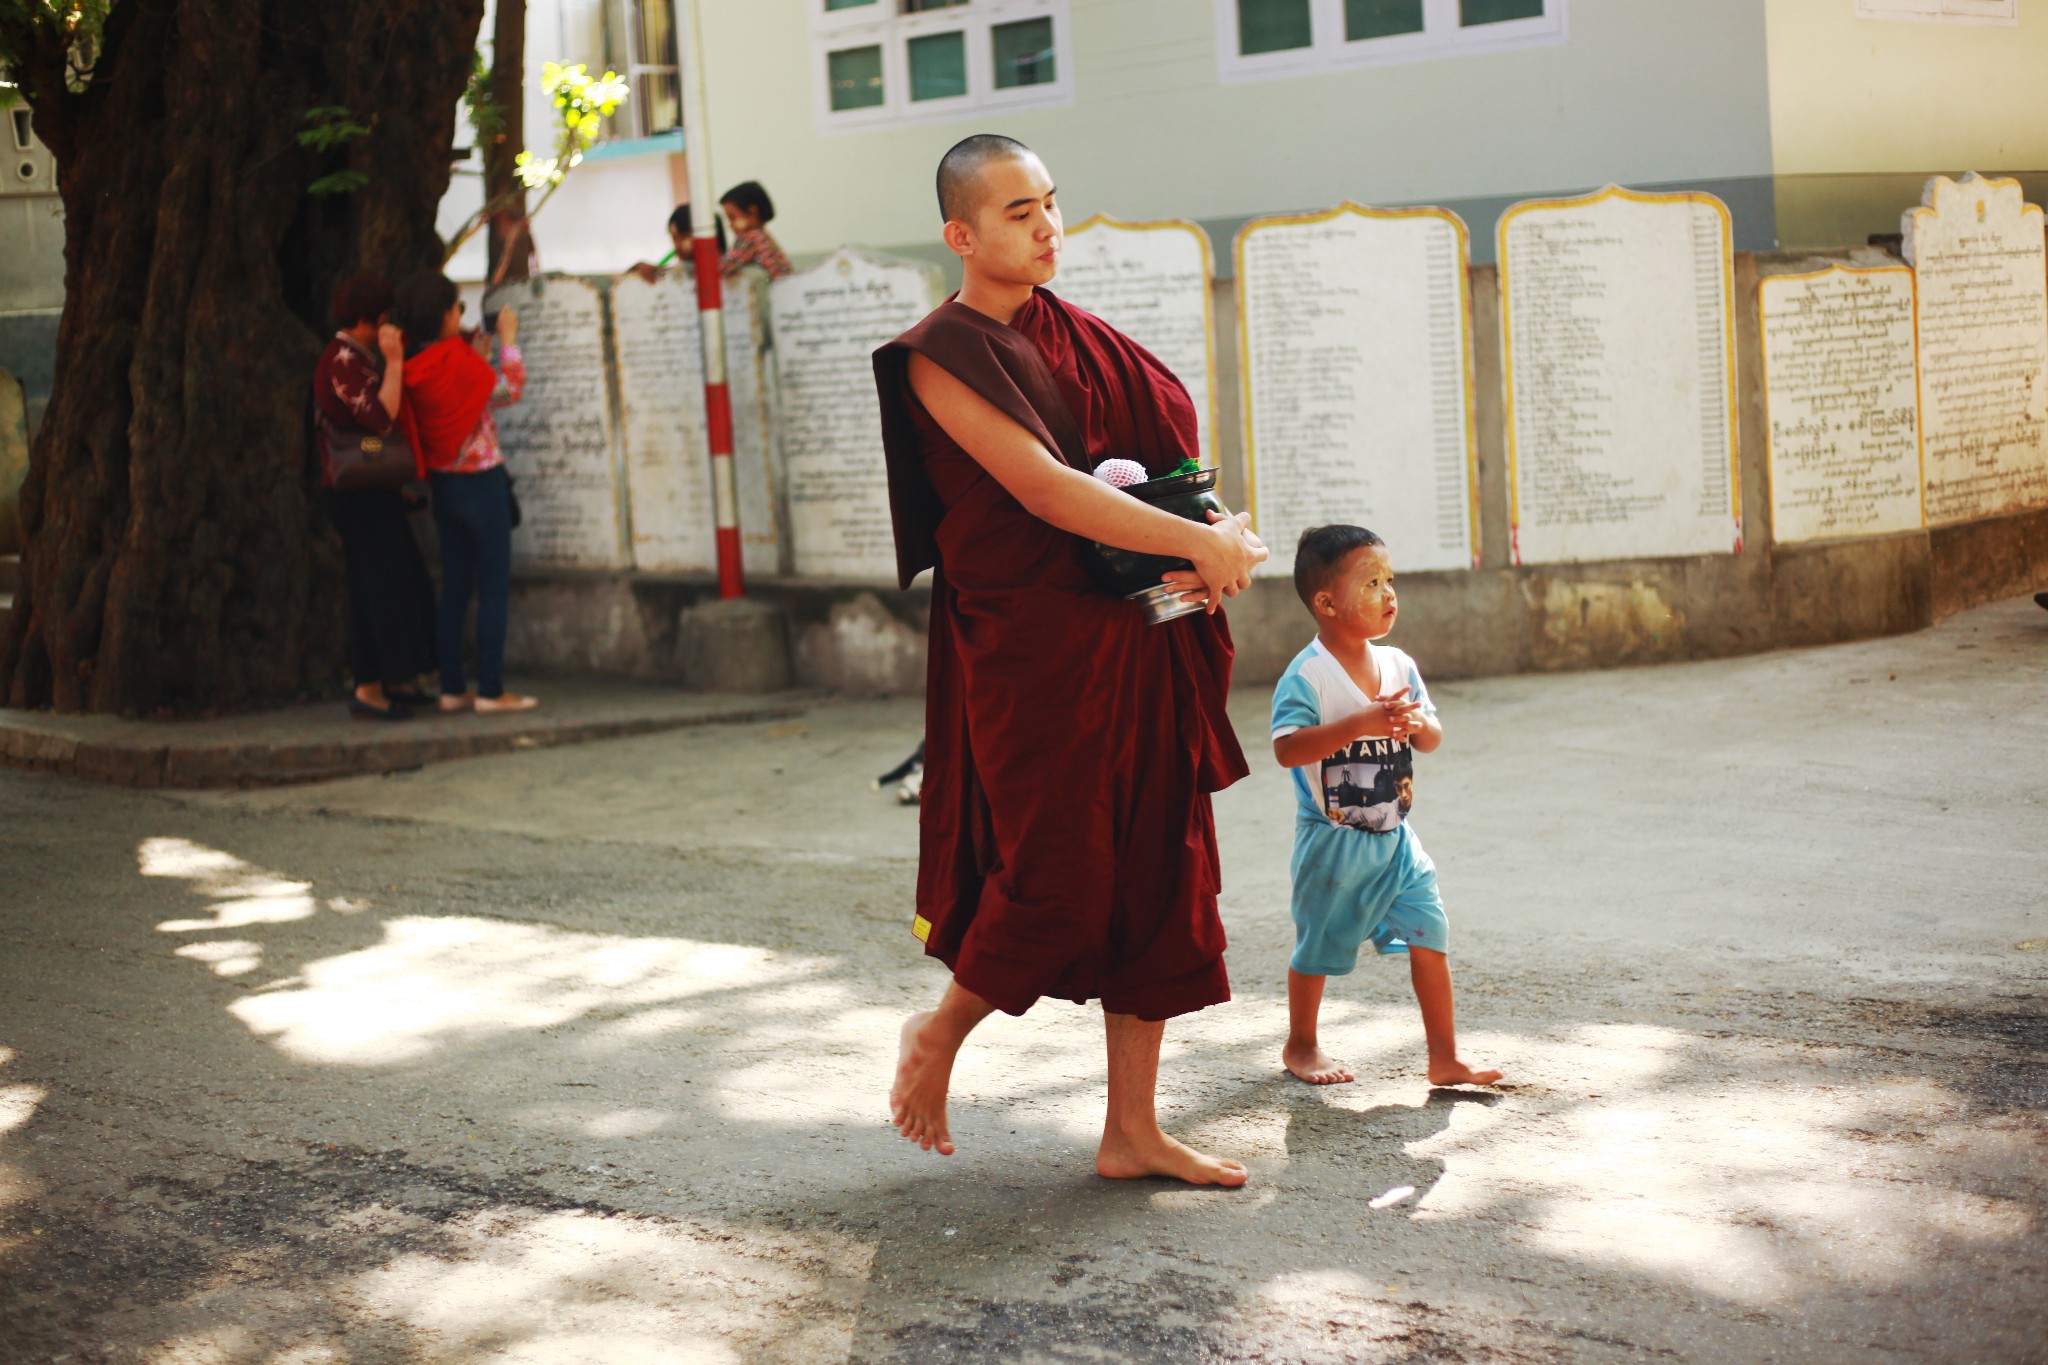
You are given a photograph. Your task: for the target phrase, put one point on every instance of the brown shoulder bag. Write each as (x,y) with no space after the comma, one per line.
(358,460)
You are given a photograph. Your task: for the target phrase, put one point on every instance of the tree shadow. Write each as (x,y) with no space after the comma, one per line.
(1372,1144)
(736,1194)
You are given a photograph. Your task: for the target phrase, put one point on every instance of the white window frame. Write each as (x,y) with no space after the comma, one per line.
(1442,36)
(881,25)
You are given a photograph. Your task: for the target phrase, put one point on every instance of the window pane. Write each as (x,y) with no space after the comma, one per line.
(846,4)
(657,32)
(1023,53)
(1474,12)
(919,6)
(660,96)
(1381,18)
(1271,25)
(938,66)
(856,77)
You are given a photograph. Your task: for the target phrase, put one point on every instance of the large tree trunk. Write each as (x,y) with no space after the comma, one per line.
(509,231)
(175,557)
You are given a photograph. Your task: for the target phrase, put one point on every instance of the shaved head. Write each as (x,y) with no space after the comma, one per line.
(960,169)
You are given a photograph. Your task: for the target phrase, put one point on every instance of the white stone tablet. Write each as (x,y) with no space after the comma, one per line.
(1977,255)
(559,439)
(1355,356)
(828,322)
(1618,328)
(1841,394)
(660,359)
(1151,281)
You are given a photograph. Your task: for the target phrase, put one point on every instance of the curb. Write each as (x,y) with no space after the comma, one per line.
(231,764)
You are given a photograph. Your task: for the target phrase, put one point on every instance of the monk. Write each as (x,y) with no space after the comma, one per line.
(1066,843)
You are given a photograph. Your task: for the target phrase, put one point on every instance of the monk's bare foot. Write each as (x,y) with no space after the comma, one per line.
(1156,1154)
(1455,1072)
(1310,1063)
(917,1102)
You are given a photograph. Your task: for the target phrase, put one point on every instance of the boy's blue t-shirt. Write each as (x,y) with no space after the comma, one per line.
(1370,783)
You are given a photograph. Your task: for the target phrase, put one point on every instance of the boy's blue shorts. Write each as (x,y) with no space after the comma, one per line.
(1352,886)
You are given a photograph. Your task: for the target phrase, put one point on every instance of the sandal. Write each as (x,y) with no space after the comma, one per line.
(362,710)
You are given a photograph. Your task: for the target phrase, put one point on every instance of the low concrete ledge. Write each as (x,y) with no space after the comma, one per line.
(319,741)
(1541,618)
(838,636)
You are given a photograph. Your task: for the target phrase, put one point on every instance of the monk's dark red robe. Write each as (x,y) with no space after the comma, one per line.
(1067,847)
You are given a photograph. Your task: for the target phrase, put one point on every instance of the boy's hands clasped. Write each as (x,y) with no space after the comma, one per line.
(1224,557)
(1394,717)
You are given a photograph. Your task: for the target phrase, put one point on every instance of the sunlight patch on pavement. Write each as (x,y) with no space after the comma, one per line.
(437,981)
(624,1123)
(1307,1288)
(1316,1315)
(566,1288)
(828,1067)
(242,893)
(18,1105)
(227,1344)
(227,956)
(1746,1190)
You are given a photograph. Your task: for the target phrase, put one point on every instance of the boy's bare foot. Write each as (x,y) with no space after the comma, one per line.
(1455,1072)
(924,1068)
(1310,1063)
(1154,1153)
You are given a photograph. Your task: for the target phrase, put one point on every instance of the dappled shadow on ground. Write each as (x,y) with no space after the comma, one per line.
(460,1137)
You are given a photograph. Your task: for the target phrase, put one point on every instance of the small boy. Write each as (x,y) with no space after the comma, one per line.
(1347,717)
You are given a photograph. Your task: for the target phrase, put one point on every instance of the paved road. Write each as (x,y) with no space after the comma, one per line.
(579,1055)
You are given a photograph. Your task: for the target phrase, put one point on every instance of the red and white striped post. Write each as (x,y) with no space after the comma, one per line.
(725,497)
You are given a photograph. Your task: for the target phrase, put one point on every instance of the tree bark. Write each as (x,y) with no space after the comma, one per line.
(175,559)
(509,229)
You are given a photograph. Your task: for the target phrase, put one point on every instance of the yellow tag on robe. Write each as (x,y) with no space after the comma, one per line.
(921,927)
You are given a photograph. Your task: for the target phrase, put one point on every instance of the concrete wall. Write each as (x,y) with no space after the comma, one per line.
(1642,91)
(1667,93)
(1862,111)
(31,292)
(1496,619)
(1851,95)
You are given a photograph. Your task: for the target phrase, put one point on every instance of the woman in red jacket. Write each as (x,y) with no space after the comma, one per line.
(450,390)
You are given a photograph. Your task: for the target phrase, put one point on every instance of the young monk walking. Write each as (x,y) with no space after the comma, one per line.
(1066,842)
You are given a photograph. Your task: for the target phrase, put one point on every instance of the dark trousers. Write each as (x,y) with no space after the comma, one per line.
(473,513)
(390,599)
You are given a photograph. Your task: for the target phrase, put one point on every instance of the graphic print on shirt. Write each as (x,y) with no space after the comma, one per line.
(1370,784)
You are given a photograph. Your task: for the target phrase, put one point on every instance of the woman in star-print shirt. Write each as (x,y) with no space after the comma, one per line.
(357,387)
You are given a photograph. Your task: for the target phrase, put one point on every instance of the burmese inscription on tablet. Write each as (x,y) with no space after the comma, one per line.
(828,321)
(559,438)
(656,339)
(1356,342)
(1840,394)
(1150,281)
(1976,249)
(1617,321)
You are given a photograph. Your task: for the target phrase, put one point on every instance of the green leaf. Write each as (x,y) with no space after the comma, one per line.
(338,182)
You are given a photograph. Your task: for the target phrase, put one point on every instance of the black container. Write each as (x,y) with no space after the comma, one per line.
(1129,574)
